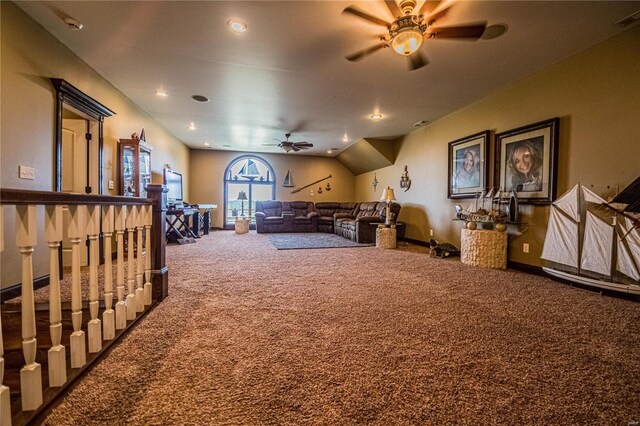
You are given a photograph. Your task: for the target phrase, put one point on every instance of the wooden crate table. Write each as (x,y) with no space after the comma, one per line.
(385,237)
(242,225)
(486,248)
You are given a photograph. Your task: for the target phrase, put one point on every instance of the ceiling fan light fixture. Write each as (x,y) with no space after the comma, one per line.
(407,41)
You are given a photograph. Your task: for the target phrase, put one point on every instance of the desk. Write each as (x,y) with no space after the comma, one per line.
(178,229)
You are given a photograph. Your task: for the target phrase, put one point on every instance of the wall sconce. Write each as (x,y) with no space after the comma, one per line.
(405,182)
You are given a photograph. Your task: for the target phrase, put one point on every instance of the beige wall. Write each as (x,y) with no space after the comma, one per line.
(207,172)
(596,94)
(30,56)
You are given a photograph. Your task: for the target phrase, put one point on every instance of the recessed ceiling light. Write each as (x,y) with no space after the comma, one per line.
(162,93)
(376,116)
(192,126)
(420,123)
(346,139)
(206,144)
(329,152)
(200,98)
(226,146)
(237,26)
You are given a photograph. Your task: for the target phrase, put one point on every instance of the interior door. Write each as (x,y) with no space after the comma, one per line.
(74,175)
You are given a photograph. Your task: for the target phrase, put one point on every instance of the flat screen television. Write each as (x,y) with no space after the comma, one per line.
(173,182)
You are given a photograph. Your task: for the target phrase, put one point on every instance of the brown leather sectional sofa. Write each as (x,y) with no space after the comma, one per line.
(354,221)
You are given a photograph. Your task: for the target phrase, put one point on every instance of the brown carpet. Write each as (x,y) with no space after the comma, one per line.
(253,335)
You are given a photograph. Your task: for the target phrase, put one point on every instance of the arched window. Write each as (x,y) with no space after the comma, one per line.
(247,179)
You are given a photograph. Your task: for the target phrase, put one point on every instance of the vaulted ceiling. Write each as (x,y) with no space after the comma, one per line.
(288,73)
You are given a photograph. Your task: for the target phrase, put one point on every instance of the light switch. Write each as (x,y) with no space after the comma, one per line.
(111,184)
(26,172)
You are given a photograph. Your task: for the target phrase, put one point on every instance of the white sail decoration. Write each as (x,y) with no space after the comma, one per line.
(591,197)
(568,203)
(561,242)
(629,253)
(598,241)
(625,263)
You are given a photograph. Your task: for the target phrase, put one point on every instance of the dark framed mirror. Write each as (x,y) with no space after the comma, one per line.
(78,140)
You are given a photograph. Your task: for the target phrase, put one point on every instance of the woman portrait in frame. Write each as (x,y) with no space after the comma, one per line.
(526,161)
(468,165)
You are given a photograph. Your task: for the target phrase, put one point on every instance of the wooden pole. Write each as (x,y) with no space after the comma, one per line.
(95,325)
(108,316)
(121,307)
(57,353)
(30,374)
(159,271)
(5,401)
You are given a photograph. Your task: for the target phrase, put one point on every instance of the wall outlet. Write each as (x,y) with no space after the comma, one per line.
(525,247)
(431,232)
(111,186)
(26,172)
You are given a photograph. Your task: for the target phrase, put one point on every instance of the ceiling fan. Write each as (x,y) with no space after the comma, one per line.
(291,146)
(410,27)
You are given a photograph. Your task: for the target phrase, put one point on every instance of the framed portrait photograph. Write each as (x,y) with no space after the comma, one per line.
(527,161)
(468,165)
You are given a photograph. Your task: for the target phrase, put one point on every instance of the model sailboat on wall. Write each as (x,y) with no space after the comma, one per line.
(592,242)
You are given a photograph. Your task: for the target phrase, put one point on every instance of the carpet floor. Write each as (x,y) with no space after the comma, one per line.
(311,241)
(253,335)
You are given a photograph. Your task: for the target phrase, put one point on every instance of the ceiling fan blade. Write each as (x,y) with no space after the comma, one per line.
(473,32)
(427,7)
(365,16)
(417,60)
(302,147)
(393,8)
(295,148)
(361,54)
(303,144)
(270,144)
(441,14)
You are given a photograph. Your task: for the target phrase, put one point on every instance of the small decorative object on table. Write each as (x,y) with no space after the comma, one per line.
(442,249)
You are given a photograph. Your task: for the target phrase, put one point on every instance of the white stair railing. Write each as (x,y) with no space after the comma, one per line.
(88,213)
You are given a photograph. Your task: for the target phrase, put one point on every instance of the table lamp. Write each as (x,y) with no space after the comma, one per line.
(388,196)
(242,196)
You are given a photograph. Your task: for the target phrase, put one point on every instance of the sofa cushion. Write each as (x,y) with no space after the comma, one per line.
(270,208)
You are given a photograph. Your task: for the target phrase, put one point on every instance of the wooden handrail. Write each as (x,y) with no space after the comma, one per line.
(9,196)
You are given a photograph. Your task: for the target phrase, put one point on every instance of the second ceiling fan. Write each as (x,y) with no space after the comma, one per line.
(287,145)
(410,27)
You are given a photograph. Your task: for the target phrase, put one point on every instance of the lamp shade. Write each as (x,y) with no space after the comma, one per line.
(242,196)
(388,195)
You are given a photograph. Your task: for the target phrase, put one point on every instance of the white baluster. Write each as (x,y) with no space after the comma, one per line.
(139,266)
(5,401)
(57,353)
(121,307)
(30,374)
(148,220)
(77,233)
(131,267)
(108,318)
(95,325)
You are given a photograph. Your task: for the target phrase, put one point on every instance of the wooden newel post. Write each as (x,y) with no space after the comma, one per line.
(159,271)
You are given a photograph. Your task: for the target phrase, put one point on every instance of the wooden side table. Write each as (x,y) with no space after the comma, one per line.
(385,237)
(486,248)
(242,225)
